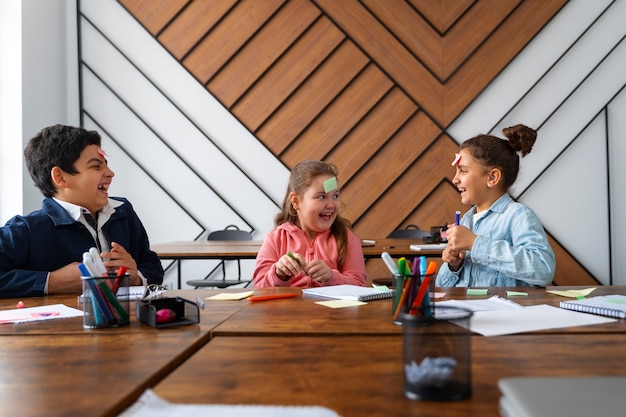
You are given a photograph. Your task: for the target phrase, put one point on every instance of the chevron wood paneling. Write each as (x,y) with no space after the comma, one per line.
(369,85)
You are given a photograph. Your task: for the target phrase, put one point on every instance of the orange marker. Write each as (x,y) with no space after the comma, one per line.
(272,297)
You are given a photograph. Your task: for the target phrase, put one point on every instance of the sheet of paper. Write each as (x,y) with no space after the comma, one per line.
(150,405)
(529,319)
(50,312)
(572,293)
(225,296)
(493,303)
(340,303)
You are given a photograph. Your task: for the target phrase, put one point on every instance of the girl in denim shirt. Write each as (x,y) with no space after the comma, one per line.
(498,242)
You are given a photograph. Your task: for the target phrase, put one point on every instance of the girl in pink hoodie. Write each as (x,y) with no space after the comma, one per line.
(311,245)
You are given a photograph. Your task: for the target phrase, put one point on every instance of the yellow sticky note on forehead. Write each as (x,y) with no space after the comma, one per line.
(330,184)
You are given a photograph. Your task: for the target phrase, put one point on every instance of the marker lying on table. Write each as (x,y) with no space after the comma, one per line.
(272,297)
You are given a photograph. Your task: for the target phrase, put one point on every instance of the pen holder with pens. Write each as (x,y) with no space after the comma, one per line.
(412,295)
(168,312)
(102,308)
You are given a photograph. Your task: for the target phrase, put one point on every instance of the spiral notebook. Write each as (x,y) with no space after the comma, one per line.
(603,305)
(349,292)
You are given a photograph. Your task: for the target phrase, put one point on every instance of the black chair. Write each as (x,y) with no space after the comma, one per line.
(409,232)
(230,232)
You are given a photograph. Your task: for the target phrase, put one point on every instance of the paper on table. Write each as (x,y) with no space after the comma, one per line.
(488,304)
(340,303)
(529,319)
(231,296)
(150,405)
(50,312)
(572,293)
(428,246)
(516,293)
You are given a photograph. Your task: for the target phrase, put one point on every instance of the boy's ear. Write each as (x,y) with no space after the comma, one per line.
(58,177)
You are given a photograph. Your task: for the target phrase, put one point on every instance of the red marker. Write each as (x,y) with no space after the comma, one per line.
(116,284)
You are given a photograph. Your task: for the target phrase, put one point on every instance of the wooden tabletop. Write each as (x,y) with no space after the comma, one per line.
(303,317)
(288,351)
(248,249)
(210,316)
(363,375)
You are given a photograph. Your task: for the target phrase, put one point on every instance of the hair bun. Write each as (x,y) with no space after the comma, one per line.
(521,138)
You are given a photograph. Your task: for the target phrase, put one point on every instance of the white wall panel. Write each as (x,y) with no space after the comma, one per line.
(519,77)
(579,224)
(617,180)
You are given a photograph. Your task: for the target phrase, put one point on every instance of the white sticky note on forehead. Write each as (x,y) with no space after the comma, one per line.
(330,184)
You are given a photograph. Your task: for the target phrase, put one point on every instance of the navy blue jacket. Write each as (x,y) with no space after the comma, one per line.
(45,240)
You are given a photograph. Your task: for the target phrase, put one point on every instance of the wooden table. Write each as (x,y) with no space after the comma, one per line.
(287,352)
(248,249)
(363,375)
(210,317)
(303,317)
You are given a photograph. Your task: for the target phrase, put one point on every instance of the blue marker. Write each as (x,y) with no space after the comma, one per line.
(457,218)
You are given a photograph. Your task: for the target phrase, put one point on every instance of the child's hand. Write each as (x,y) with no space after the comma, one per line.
(318,271)
(460,238)
(119,257)
(289,264)
(65,279)
(453,258)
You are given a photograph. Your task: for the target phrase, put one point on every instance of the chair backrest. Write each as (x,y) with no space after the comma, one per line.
(409,232)
(230,232)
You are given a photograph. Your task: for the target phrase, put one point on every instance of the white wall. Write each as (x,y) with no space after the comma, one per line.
(38,72)
(10,109)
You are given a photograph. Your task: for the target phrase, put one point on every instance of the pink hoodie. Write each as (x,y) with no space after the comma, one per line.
(289,237)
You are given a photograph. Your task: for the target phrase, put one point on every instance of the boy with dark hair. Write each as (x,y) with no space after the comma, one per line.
(40,252)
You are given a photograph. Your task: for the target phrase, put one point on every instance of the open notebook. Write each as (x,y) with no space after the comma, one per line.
(349,292)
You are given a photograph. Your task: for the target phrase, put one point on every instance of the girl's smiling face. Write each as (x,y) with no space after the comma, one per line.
(472,179)
(317,210)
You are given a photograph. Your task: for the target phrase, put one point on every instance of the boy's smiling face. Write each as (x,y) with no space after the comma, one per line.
(89,187)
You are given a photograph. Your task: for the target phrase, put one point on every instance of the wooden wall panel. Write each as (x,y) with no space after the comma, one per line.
(192,25)
(154,14)
(255,58)
(370,85)
(228,36)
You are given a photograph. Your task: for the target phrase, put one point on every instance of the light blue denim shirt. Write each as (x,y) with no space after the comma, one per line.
(511,250)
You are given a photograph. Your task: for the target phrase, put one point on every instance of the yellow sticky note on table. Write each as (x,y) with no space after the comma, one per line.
(572,293)
(340,303)
(516,293)
(231,296)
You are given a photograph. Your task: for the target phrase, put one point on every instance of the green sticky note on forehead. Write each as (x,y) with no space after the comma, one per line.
(330,184)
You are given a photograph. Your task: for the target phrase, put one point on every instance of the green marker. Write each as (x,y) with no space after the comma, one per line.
(292,256)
